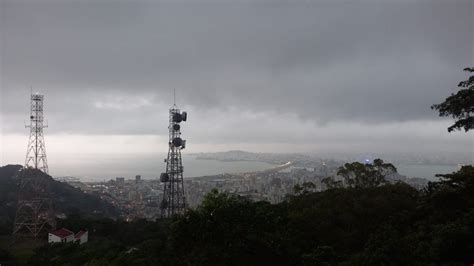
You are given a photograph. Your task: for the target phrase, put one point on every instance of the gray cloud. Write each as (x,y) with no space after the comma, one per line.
(109,67)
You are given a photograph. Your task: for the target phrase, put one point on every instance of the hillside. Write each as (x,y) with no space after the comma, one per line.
(66,199)
(390,224)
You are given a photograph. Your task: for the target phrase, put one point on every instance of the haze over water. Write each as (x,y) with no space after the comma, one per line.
(105,167)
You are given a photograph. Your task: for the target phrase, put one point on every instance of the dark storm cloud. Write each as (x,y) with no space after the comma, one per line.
(104,64)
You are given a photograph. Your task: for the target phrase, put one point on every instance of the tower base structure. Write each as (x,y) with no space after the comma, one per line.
(35,215)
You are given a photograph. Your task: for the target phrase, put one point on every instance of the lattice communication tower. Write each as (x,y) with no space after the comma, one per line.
(35,214)
(174,200)
(36,152)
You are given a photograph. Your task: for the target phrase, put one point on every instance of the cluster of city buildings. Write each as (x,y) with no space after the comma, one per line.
(271,186)
(139,198)
(134,198)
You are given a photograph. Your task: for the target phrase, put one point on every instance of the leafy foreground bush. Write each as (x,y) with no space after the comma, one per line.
(391,224)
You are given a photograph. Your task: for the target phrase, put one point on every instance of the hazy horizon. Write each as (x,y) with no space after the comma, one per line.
(100,167)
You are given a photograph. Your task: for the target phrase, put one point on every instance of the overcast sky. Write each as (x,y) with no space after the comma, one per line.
(278,76)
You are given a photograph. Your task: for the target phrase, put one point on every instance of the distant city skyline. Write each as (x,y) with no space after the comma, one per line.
(318,77)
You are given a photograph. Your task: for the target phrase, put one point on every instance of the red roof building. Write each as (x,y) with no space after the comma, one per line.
(62,235)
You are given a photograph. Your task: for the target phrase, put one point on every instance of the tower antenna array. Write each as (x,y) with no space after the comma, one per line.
(35,213)
(174,200)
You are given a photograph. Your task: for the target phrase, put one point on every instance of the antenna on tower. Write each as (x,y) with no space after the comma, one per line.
(174,97)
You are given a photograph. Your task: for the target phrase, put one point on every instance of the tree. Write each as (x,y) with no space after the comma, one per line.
(460,106)
(366,175)
(447,208)
(331,183)
(453,194)
(463,179)
(305,188)
(228,229)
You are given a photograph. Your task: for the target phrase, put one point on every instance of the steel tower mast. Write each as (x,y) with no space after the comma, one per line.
(36,152)
(174,200)
(35,214)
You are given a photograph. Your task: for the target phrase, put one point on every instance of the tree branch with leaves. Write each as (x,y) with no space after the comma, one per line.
(460,106)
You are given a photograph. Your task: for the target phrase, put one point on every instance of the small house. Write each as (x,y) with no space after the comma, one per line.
(62,235)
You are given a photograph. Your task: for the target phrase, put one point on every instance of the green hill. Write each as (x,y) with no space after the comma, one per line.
(387,224)
(66,199)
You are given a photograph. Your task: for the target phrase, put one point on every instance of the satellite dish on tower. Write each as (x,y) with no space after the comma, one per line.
(177,142)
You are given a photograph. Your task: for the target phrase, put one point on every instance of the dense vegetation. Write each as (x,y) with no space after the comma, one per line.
(7,197)
(67,199)
(378,224)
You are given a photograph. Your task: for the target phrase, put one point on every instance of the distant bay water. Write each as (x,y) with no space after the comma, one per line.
(105,167)
(427,171)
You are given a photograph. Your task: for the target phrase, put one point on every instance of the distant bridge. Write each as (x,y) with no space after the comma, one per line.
(268,171)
